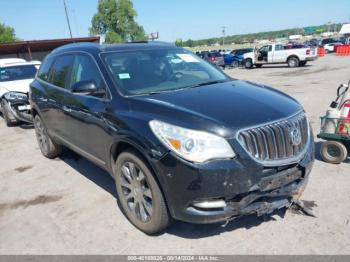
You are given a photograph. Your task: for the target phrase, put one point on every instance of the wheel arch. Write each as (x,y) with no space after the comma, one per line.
(122,145)
(292,56)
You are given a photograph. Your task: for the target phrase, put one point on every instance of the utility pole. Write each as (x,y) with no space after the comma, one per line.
(65,9)
(223,35)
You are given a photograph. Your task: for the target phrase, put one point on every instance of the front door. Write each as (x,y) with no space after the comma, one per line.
(87,126)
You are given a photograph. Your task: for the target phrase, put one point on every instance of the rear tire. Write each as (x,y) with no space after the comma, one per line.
(259,66)
(248,63)
(293,62)
(333,152)
(139,194)
(9,118)
(47,147)
(302,63)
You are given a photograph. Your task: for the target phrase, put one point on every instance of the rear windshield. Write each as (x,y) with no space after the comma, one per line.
(14,73)
(159,70)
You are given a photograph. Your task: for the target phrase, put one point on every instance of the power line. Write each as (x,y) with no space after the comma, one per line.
(65,9)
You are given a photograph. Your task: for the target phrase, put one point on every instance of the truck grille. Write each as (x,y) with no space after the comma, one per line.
(278,141)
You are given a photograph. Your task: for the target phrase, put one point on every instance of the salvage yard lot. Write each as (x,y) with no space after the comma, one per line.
(69,206)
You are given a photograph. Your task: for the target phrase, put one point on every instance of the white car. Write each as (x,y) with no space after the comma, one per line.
(329,48)
(15,76)
(279,54)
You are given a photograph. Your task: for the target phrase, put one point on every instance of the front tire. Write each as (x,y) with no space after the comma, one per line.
(293,62)
(47,147)
(9,118)
(333,152)
(139,194)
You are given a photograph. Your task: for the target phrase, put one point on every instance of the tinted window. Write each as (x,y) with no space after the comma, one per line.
(147,71)
(85,69)
(14,73)
(44,70)
(60,71)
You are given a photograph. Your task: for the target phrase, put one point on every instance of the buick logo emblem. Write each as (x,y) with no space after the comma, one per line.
(295,136)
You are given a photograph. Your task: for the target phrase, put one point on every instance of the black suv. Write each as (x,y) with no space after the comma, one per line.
(182,140)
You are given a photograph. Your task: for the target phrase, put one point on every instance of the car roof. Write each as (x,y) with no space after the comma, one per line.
(7,62)
(98,48)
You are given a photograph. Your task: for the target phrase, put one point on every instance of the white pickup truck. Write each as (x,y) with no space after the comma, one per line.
(279,54)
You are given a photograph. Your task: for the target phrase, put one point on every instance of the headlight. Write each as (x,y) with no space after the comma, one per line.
(11,96)
(192,145)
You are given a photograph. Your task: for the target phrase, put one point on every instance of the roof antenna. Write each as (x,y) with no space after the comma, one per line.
(65,9)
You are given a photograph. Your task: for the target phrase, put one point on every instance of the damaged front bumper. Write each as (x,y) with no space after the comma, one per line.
(17,105)
(223,190)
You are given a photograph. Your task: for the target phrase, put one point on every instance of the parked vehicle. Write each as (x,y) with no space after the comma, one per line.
(329,48)
(294,45)
(326,41)
(214,57)
(235,58)
(312,42)
(181,139)
(15,77)
(278,54)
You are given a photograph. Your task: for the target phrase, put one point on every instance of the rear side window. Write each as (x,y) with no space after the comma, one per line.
(61,70)
(85,69)
(44,70)
(279,47)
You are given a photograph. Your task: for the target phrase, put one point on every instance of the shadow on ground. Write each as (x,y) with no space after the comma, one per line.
(186,230)
(196,231)
(90,171)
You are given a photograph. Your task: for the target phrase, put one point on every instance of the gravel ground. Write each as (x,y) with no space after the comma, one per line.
(68,205)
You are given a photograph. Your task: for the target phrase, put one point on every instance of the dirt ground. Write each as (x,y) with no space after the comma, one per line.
(68,205)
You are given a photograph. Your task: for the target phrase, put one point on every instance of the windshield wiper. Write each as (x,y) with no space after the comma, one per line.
(181,88)
(208,83)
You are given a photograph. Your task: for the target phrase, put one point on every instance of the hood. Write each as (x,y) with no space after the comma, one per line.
(15,86)
(233,105)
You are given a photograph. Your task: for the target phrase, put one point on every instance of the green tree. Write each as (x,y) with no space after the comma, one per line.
(179,42)
(116,19)
(7,34)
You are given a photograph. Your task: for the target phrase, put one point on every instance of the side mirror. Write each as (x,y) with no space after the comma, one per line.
(87,87)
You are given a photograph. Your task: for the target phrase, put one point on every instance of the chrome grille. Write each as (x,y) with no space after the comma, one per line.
(273,142)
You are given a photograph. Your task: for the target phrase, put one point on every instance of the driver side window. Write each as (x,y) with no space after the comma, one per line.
(85,69)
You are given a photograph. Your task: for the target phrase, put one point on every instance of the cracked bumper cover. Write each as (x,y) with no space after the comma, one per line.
(246,186)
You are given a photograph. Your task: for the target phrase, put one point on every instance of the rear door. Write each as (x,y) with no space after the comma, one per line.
(50,101)
(88,128)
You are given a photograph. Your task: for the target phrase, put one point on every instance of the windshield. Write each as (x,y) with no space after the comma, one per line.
(159,70)
(14,73)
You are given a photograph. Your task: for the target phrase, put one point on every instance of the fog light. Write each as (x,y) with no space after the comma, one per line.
(210,204)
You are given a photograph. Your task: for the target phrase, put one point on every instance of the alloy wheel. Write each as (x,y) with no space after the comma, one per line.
(136,191)
(41,135)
